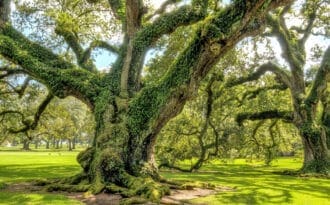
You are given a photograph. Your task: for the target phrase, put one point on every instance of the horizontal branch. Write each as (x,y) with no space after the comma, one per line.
(270,114)
(99,44)
(161,9)
(32,49)
(62,82)
(254,93)
(260,71)
(7,71)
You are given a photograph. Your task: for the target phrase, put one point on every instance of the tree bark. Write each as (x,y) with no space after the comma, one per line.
(26,144)
(69,144)
(316,154)
(74,142)
(47,144)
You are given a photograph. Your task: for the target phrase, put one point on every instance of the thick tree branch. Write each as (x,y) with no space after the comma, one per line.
(34,50)
(39,66)
(4,11)
(156,104)
(164,24)
(99,44)
(30,125)
(254,93)
(161,9)
(71,38)
(310,22)
(260,71)
(288,49)
(320,82)
(270,114)
(6,71)
(117,9)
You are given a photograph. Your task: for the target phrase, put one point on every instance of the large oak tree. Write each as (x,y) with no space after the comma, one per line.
(129,115)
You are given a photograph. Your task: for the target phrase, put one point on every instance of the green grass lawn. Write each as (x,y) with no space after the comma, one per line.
(257,184)
(25,166)
(252,183)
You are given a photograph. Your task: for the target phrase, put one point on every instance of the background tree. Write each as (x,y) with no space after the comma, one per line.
(128,116)
(309,96)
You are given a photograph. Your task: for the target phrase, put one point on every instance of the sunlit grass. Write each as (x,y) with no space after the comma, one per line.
(257,184)
(25,166)
(7,198)
(252,183)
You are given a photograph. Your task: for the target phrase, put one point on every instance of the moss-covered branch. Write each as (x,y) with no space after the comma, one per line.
(270,114)
(66,30)
(164,24)
(118,9)
(4,11)
(32,49)
(291,50)
(62,81)
(283,76)
(156,104)
(99,44)
(254,93)
(313,7)
(320,82)
(7,71)
(161,9)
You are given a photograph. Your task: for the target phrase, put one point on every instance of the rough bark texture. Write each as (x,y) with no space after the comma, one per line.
(128,117)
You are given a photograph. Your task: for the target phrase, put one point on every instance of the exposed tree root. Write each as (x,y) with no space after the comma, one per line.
(134,190)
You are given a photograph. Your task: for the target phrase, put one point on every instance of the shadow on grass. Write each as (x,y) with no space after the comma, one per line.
(257,185)
(35,199)
(19,173)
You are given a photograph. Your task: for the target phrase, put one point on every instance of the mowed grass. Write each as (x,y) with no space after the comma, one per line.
(252,183)
(256,184)
(18,167)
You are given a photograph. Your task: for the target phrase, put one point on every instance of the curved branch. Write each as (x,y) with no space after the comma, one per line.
(260,71)
(282,19)
(99,44)
(72,40)
(161,9)
(254,93)
(289,49)
(28,125)
(165,24)
(6,71)
(34,50)
(59,81)
(320,81)
(42,107)
(311,19)
(117,9)
(270,114)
